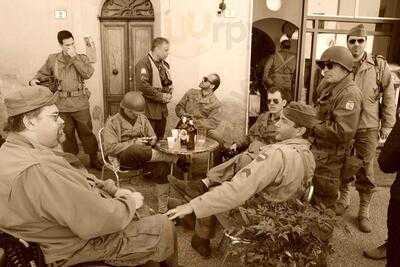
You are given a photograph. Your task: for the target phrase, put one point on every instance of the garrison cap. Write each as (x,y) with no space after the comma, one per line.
(358,30)
(28,98)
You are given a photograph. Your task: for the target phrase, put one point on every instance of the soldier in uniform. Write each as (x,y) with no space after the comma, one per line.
(152,78)
(282,171)
(262,133)
(65,74)
(338,102)
(280,68)
(372,75)
(129,136)
(48,198)
(203,106)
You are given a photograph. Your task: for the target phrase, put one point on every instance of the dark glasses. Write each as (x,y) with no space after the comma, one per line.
(322,64)
(274,100)
(360,41)
(205,79)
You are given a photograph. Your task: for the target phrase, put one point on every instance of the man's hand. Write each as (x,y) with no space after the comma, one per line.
(71,51)
(34,82)
(384,133)
(141,141)
(166,97)
(233,147)
(108,186)
(179,211)
(138,197)
(153,140)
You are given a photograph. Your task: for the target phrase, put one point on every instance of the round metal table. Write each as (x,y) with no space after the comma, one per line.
(209,146)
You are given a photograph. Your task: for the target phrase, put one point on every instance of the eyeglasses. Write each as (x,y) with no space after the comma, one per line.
(322,64)
(359,41)
(274,100)
(55,116)
(205,79)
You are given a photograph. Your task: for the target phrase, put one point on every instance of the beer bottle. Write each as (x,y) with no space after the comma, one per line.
(183,134)
(192,133)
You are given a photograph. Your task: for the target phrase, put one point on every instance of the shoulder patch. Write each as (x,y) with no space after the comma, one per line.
(143,71)
(350,105)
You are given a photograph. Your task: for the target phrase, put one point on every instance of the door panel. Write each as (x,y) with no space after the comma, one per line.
(140,37)
(114,48)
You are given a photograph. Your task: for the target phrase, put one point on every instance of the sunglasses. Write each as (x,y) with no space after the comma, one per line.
(274,100)
(360,41)
(55,116)
(205,79)
(322,64)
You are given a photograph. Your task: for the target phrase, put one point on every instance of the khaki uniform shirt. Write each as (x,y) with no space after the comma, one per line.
(339,110)
(365,78)
(44,199)
(119,134)
(205,110)
(278,171)
(155,109)
(71,73)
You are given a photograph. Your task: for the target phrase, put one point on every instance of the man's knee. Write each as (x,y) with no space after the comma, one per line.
(135,155)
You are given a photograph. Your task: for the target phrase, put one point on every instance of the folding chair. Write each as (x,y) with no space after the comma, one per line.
(111,162)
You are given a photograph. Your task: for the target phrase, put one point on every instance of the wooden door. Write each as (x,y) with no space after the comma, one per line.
(115,48)
(140,37)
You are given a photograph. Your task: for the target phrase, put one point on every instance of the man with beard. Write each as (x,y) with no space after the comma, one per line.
(338,102)
(372,75)
(65,74)
(48,198)
(128,135)
(262,133)
(153,79)
(281,171)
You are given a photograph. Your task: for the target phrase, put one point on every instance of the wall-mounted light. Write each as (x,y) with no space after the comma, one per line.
(273,5)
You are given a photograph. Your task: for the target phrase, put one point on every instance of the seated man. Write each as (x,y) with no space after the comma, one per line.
(128,135)
(47,197)
(203,106)
(262,133)
(281,171)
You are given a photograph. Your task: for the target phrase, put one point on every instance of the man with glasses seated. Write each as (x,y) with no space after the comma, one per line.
(262,133)
(46,197)
(203,106)
(372,75)
(280,171)
(129,136)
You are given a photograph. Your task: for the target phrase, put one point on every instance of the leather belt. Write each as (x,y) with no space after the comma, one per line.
(79,92)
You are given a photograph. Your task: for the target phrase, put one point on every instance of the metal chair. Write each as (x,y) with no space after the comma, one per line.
(111,162)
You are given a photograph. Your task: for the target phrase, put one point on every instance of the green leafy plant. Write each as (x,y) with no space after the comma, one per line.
(289,233)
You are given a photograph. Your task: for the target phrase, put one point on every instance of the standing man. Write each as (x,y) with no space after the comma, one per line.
(280,68)
(65,74)
(372,75)
(338,108)
(153,79)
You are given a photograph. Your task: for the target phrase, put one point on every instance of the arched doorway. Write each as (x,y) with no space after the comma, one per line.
(126,35)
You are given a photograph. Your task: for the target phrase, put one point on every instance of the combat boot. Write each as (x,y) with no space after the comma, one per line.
(162,197)
(377,253)
(363,214)
(201,245)
(343,203)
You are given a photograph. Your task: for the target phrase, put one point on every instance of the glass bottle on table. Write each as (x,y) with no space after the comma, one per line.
(192,133)
(183,134)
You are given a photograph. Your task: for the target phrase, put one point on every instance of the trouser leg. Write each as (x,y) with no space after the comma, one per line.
(226,171)
(84,128)
(327,177)
(70,144)
(159,127)
(365,147)
(205,227)
(393,243)
(135,156)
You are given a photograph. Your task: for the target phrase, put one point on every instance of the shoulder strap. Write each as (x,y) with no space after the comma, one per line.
(285,62)
(378,71)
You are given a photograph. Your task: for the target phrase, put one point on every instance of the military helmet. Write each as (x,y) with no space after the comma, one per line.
(133,101)
(339,55)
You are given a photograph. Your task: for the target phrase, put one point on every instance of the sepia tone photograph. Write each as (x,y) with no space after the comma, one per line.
(199,133)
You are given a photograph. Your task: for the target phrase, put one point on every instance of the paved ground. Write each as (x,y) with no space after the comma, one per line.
(348,248)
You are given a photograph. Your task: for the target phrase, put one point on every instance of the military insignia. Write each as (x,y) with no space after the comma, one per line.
(143,71)
(143,75)
(350,105)
(247,171)
(262,156)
